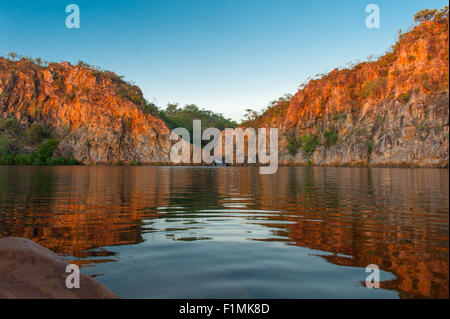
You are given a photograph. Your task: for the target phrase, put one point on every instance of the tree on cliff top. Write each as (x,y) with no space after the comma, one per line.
(273,109)
(431,14)
(175,116)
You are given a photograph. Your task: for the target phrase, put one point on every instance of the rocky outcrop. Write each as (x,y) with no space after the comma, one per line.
(97,116)
(28,271)
(389,112)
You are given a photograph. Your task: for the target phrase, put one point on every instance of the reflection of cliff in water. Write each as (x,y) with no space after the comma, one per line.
(73,209)
(366,216)
(395,218)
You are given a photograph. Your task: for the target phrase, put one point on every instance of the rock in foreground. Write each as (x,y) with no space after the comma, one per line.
(28,270)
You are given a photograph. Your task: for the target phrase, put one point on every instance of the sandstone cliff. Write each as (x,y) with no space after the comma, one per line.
(389,112)
(97,117)
(393,111)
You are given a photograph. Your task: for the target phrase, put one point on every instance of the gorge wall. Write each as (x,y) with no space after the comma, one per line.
(97,117)
(389,112)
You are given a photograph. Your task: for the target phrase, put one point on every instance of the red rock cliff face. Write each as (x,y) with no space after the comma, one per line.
(393,111)
(95,114)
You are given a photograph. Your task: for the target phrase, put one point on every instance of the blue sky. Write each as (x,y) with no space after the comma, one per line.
(223,55)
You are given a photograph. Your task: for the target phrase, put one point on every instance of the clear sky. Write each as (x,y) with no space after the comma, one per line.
(223,55)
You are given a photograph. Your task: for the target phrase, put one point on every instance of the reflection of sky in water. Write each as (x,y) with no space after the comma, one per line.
(209,269)
(227,232)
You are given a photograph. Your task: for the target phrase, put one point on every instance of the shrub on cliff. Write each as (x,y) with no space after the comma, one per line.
(293,144)
(10,126)
(150,108)
(144,105)
(330,137)
(274,109)
(372,88)
(44,156)
(25,159)
(47,148)
(36,133)
(404,97)
(5,144)
(309,143)
(61,161)
(7,159)
(369,147)
(83,64)
(338,117)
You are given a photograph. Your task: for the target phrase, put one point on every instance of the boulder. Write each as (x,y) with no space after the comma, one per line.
(28,271)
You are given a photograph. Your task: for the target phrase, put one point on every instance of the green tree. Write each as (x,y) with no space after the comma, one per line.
(36,133)
(293,144)
(309,143)
(47,148)
(250,115)
(174,117)
(330,137)
(5,144)
(11,126)
(12,55)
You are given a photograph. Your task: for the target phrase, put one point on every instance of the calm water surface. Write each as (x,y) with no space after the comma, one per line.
(179,232)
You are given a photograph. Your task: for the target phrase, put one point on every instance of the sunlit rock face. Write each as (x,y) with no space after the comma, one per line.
(392,111)
(98,117)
